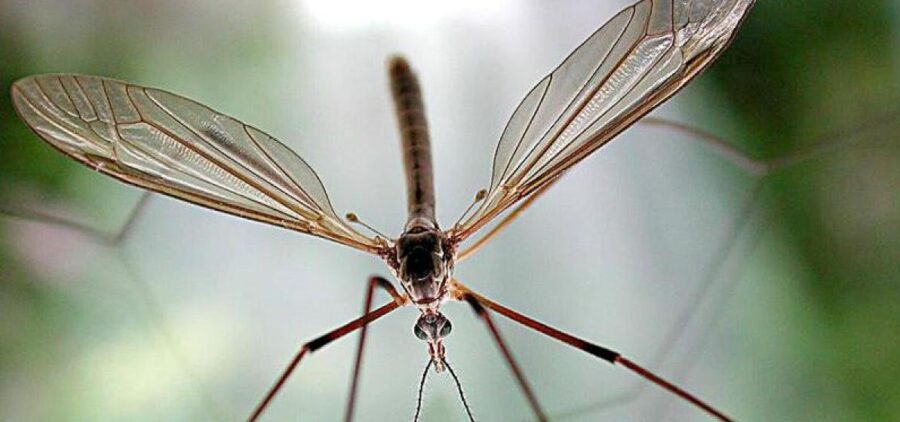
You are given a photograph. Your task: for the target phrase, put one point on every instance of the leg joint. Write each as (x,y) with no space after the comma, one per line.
(473,302)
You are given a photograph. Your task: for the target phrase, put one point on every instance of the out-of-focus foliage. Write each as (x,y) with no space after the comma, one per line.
(817,68)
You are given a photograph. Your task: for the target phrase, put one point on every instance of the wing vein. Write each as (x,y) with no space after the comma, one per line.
(545,146)
(153,139)
(47,118)
(271,161)
(230,189)
(654,48)
(527,128)
(218,163)
(612,105)
(87,98)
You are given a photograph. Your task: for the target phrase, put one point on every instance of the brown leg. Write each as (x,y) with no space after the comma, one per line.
(326,339)
(367,307)
(498,339)
(601,352)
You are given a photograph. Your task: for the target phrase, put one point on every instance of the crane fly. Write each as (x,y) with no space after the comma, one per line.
(175,146)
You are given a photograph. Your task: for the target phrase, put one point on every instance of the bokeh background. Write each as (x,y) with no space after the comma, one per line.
(774,295)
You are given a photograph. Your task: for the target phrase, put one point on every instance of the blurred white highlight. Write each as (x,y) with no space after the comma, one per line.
(342,15)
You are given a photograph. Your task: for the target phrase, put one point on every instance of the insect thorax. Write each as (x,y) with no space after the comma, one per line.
(424,264)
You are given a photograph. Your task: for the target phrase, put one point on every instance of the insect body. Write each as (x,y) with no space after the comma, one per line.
(424,255)
(169,144)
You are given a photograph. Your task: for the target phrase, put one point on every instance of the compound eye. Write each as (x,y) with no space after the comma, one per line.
(419,332)
(445,330)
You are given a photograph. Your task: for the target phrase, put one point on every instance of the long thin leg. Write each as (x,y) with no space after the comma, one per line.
(714,271)
(367,307)
(764,166)
(507,355)
(754,166)
(147,299)
(98,236)
(719,307)
(464,293)
(320,342)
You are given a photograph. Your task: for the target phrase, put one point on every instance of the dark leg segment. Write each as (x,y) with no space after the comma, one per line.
(495,333)
(325,339)
(594,349)
(367,307)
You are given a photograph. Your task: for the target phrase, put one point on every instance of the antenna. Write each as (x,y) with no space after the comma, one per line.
(459,388)
(421,387)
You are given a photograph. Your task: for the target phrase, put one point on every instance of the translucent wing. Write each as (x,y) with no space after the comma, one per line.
(634,62)
(169,144)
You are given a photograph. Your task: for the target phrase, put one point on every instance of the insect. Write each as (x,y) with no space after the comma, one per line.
(171,145)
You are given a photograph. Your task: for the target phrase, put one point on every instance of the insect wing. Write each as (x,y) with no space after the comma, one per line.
(172,145)
(634,62)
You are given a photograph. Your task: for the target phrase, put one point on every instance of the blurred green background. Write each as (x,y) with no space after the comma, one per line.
(773,297)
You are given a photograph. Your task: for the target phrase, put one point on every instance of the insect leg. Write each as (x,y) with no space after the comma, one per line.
(756,167)
(151,306)
(513,366)
(367,307)
(760,167)
(324,340)
(601,352)
(98,236)
(720,269)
